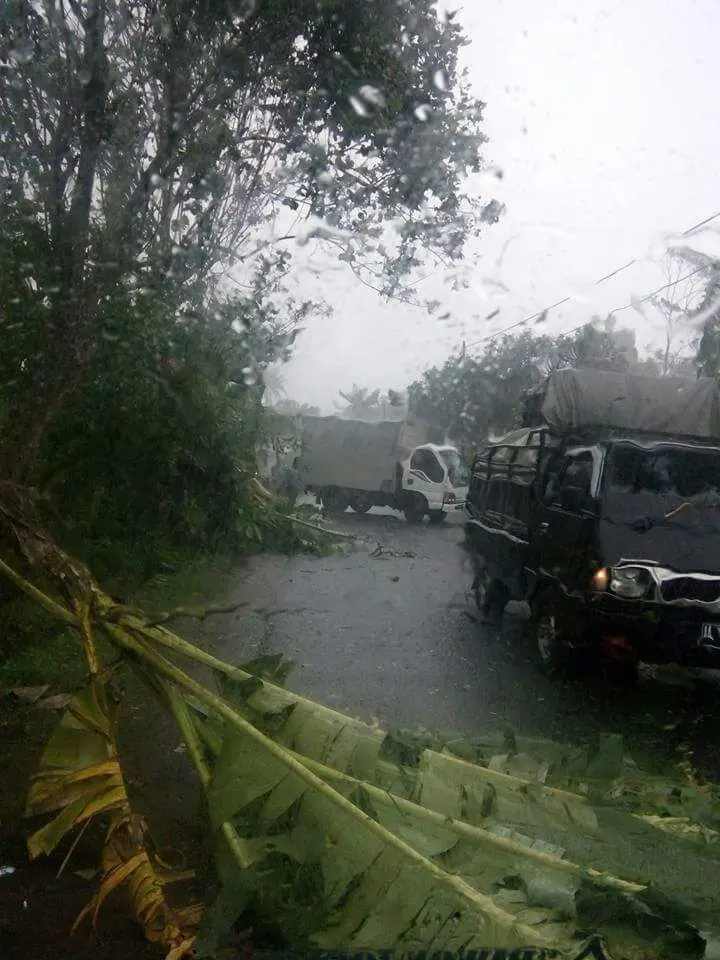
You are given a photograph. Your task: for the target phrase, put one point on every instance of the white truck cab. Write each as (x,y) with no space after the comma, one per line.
(434,480)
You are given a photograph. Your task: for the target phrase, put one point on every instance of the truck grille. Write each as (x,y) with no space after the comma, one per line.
(688,588)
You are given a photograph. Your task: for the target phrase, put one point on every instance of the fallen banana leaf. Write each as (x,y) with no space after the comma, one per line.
(126,862)
(578,770)
(80,776)
(375,755)
(439,781)
(321,861)
(600,771)
(683,827)
(533,883)
(621,845)
(340,884)
(332,874)
(306,836)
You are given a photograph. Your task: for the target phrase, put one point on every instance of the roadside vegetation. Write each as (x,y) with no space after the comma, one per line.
(150,199)
(159,161)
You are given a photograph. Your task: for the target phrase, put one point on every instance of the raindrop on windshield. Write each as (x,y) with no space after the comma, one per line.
(23,51)
(358,106)
(440,79)
(372,95)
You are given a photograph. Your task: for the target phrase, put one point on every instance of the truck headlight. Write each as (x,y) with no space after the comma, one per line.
(631,583)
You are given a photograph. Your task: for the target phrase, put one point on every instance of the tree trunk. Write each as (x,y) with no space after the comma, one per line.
(53,378)
(70,329)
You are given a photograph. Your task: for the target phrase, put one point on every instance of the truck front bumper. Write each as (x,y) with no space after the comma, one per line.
(653,632)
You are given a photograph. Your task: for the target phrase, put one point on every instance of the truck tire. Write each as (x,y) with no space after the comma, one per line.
(553,631)
(621,676)
(360,505)
(335,501)
(549,639)
(490,597)
(552,635)
(415,509)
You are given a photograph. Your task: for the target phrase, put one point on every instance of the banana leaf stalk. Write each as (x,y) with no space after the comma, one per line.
(368,876)
(445,782)
(236,844)
(366,853)
(495,844)
(537,885)
(445,907)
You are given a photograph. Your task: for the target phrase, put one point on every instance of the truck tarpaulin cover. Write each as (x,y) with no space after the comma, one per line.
(661,405)
(355,454)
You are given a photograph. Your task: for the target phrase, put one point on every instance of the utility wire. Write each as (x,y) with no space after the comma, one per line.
(635,303)
(613,273)
(649,296)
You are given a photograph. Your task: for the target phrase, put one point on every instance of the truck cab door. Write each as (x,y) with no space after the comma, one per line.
(566,519)
(424,474)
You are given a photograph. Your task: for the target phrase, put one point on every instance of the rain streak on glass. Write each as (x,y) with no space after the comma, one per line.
(22,52)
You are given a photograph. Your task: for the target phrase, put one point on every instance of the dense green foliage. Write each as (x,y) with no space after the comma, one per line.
(148,150)
(471,396)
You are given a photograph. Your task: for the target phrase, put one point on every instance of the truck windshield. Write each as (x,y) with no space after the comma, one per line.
(457,471)
(668,473)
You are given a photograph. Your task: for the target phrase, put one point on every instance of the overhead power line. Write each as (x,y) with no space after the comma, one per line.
(636,303)
(608,276)
(649,296)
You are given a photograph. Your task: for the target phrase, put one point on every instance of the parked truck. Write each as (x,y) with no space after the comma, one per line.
(602,514)
(404,465)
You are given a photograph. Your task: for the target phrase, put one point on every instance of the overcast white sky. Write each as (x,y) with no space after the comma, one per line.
(603,116)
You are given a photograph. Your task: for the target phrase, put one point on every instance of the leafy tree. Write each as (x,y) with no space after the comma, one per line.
(364,404)
(605,348)
(291,408)
(708,310)
(156,452)
(675,304)
(148,150)
(470,397)
(360,402)
(146,147)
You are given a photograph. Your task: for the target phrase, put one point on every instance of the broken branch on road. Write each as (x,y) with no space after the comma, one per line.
(326,530)
(196,613)
(381,551)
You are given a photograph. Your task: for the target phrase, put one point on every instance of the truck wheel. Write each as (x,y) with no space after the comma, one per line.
(490,597)
(552,635)
(437,516)
(359,505)
(415,509)
(622,676)
(335,501)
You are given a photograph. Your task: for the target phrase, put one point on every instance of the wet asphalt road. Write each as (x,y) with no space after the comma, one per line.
(385,631)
